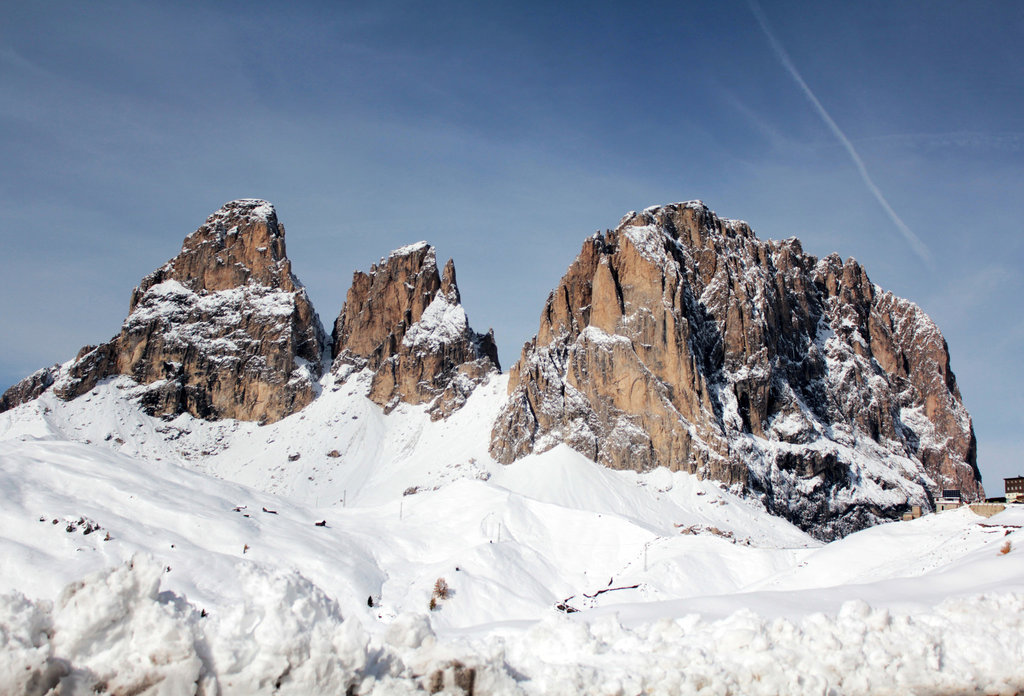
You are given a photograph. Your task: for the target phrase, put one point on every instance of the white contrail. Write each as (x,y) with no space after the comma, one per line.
(915,242)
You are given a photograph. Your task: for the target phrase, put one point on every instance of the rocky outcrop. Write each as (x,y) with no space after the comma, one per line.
(405,322)
(681,340)
(223,330)
(29,388)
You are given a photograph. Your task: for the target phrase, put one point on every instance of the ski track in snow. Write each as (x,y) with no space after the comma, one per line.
(208,572)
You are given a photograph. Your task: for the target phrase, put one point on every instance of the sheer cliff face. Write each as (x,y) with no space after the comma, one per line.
(405,322)
(223,330)
(679,339)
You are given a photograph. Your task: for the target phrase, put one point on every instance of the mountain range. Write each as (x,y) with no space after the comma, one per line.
(678,339)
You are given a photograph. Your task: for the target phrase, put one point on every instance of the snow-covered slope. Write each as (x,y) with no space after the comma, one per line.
(183,556)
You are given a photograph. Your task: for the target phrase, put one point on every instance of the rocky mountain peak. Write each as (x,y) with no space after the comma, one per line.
(239,244)
(405,322)
(689,222)
(680,339)
(449,288)
(222,330)
(382,304)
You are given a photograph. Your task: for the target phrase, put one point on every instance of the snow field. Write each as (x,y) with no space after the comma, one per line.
(142,555)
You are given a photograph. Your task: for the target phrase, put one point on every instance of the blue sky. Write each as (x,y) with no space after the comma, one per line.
(506,133)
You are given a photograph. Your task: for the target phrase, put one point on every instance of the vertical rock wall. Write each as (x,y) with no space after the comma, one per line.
(405,321)
(679,339)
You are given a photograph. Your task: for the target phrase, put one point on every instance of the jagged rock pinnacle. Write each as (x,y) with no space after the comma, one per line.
(405,322)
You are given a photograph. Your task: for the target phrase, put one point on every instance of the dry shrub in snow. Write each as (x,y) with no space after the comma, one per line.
(441,590)
(1005,549)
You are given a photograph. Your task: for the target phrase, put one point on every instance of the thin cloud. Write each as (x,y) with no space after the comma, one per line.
(915,242)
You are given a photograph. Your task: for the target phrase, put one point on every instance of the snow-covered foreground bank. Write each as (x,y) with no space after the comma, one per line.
(139,555)
(116,632)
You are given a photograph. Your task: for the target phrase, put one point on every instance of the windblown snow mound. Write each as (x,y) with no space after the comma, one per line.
(116,632)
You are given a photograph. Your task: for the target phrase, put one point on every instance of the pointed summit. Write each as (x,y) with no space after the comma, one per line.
(240,244)
(449,288)
(405,322)
(223,330)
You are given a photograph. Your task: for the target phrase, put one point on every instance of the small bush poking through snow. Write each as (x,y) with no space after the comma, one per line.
(441,590)
(1005,549)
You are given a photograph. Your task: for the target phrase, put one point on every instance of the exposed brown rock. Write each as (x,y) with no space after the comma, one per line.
(679,339)
(223,330)
(405,322)
(29,388)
